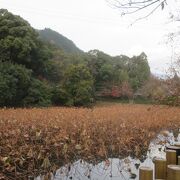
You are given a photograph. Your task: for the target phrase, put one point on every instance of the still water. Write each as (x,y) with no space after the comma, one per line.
(115,169)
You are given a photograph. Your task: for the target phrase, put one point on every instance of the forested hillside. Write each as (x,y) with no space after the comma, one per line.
(59,40)
(48,69)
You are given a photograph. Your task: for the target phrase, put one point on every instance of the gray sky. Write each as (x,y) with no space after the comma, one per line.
(93,24)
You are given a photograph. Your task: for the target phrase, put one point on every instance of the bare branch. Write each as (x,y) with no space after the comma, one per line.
(144,17)
(134,6)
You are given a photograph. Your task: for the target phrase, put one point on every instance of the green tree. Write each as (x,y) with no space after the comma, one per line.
(14,83)
(138,70)
(106,73)
(120,76)
(60,96)
(79,85)
(19,43)
(38,94)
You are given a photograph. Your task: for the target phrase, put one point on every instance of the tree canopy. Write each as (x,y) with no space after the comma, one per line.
(19,43)
(36,72)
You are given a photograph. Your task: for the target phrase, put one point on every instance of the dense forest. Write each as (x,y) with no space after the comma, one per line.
(43,68)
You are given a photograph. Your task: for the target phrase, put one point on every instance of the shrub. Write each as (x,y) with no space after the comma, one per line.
(14,83)
(39,94)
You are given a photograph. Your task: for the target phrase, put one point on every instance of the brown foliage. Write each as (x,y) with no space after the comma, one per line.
(123,90)
(34,141)
(165,91)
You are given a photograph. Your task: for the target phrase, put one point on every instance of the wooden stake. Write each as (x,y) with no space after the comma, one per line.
(173,172)
(177,144)
(170,157)
(178,160)
(160,168)
(175,148)
(145,173)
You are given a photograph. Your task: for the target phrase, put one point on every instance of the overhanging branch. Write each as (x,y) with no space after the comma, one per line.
(133,6)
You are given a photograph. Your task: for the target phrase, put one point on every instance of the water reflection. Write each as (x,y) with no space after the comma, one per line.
(116,169)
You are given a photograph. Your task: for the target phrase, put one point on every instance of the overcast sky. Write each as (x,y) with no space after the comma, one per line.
(93,24)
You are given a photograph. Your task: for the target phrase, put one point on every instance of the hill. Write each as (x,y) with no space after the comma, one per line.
(59,40)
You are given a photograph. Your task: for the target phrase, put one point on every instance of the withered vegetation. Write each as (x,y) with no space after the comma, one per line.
(36,141)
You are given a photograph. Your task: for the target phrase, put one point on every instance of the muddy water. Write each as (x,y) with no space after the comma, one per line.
(116,169)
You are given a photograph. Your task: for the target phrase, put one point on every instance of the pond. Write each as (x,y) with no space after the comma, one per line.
(116,169)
